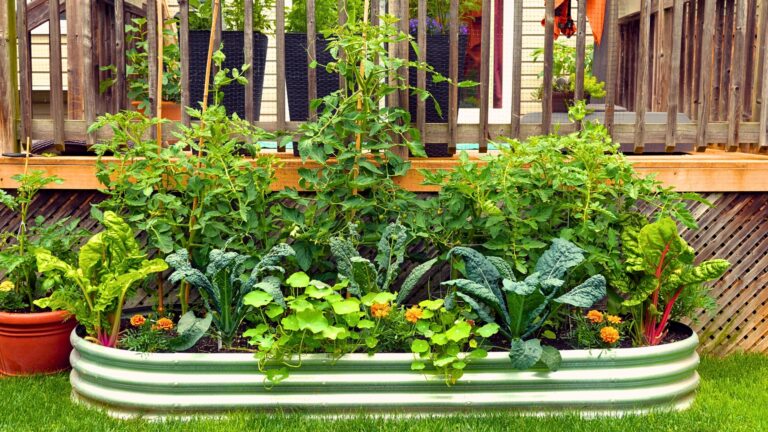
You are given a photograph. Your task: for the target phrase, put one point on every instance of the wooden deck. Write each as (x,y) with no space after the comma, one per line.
(712,171)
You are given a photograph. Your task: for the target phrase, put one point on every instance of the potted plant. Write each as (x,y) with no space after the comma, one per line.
(564,77)
(232,36)
(296,61)
(33,339)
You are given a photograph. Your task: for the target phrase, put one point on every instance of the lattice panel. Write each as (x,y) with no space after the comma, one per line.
(735,228)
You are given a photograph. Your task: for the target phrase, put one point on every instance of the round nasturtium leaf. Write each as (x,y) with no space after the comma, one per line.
(257,298)
(419,346)
(298,280)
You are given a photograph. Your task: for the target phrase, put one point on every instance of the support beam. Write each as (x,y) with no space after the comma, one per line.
(8,85)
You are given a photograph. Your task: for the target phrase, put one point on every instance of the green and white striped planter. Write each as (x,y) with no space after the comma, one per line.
(591,382)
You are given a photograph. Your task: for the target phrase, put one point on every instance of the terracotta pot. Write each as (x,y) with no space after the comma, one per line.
(171,110)
(34,343)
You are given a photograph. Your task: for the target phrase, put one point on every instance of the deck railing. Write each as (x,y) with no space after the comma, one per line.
(703,58)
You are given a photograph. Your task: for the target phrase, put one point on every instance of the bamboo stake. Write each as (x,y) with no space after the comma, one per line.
(359,136)
(201,143)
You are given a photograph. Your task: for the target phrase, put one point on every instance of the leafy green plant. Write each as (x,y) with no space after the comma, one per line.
(446,339)
(109,266)
(326,15)
(216,197)
(357,143)
(598,330)
(578,187)
(521,308)
(438,12)
(312,317)
(564,71)
(201,13)
(660,274)
(225,283)
(23,285)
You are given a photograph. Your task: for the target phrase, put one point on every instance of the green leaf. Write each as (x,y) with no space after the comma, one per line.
(312,320)
(334,333)
(487,330)
(444,360)
(586,294)
(525,354)
(459,331)
(419,346)
(257,298)
(551,358)
(561,256)
(346,307)
(298,280)
(418,365)
(366,324)
(413,278)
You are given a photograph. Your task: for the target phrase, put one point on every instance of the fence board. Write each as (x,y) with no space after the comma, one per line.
(311,56)
(546,99)
(453,74)
(738,64)
(25,68)
(421,75)
(704,73)
(186,98)
(485,73)
(248,51)
(612,28)
(674,71)
(643,83)
(280,60)
(89,78)
(8,88)
(517,67)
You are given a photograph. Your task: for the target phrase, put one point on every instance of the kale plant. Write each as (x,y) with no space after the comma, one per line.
(521,308)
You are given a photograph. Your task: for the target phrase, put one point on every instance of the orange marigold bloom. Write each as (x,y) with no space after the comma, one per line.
(164,324)
(595,316)
(613,319)
(609,335)
(138,320)
(380,310)
(413,314)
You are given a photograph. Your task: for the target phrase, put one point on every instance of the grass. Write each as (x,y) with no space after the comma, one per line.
(733,397)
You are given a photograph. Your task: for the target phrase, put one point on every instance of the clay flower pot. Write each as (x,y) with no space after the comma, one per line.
(171,110)
(35,343)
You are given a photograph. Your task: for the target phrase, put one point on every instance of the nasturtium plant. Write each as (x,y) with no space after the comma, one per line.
(446,339)
(521,308)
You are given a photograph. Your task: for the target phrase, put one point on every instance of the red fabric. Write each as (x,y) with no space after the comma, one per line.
(565,25)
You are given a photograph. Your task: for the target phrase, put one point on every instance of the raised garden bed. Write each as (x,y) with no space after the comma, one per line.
(591,382)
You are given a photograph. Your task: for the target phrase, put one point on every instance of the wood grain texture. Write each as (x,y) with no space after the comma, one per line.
(546,98)
(152,47)
(25,71)
(674,72)
(738,63)
(704,73)
(517,68)
(453,74)
(248,51)
(421,75)
(186,99)
(311,56)
(612,28)
(90,86)
(280,62)
(8,88)
(643,84)
(581,44)
(119,88)
(763,141)
(485,75)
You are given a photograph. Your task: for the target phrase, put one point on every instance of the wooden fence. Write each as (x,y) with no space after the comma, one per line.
(685,58)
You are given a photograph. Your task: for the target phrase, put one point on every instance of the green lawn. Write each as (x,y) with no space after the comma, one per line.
(733,397)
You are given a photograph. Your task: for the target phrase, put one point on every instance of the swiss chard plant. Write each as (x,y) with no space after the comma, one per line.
(662,282)
(109,267)
(521,308)
(225,283)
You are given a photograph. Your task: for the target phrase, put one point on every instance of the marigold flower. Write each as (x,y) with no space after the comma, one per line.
(595,316)
(138,320)
(613,319)
(164,324)
(609,335)
(380,310)
(413,314)
(6,286)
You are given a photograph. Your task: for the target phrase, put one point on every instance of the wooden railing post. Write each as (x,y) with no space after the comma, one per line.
(674,73)
(613,64)
(517,67)
(8,84)
(453,74)
(280,45)
(311,56)
(581,45)
(152,47)
(642,75)
(421,75)
(549,41)
(763,136)
(708,32)
(485,74)
(89,74)
(737,76)
(119,88)
(248,45)
(25,65)
(184,57)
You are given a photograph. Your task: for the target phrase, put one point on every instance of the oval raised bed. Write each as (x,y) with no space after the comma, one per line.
(614,382)
(34,343)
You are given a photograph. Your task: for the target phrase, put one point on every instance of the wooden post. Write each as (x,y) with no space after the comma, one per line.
(642,75)
(404,53)
(158,113)
(485,74)
(737,76)
(119,88)
(674,73)
(57,91)
(763,141)
(613,64)
(90,86)
(725,68)
(549,41)
(280,45)
(421,75)
(581,45)
(184,57)
(25,65)
(341,7)
(74,60)
(760,60)
(517,67)
(708,31)
(8,84)
(152,47)
(311,72)
(248,45)
(453,74)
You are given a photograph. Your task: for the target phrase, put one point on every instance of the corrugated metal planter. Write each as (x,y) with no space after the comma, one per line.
(591,382)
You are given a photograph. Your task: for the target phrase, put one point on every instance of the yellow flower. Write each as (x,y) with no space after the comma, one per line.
(138,320)
(6,286)
(380,310)
(413,314)
(613,319)
(595,316)
(609,335)
(163,324)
